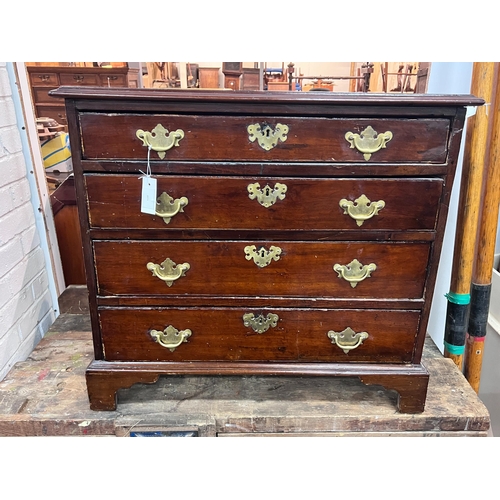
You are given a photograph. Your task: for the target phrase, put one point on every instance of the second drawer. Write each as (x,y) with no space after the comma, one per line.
(269,203)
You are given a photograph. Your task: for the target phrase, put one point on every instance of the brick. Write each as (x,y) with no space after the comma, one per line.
(26,271)
(6,203)
(30,320)
(13,311)
(20,192)
(39,285)
(46,322)
(30,239)
(5,88)
(7,112)
(12,168)
(10,255)
(10,140)
(9,344)
(15,222)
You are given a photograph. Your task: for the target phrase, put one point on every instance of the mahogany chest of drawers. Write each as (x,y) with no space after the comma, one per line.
(292,233)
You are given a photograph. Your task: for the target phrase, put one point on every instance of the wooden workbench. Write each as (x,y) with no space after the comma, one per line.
(46,396)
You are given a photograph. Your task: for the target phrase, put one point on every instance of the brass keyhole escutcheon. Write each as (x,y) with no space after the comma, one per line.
(260,323)
(266,137)
(262,257)
(368,141)
(347,339)
(267,196)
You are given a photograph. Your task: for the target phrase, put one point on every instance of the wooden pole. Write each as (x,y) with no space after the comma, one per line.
(467,221)
(488,219)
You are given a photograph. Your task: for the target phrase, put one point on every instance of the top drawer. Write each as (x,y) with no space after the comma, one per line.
(44,79)
(79,79)
(113,80)
(261,138)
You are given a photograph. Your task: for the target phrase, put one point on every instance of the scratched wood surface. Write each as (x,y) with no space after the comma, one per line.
(46,395)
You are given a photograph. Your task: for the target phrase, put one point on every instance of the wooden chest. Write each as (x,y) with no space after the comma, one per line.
(293,234)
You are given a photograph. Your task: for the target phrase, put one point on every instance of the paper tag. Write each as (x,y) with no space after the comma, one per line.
(148,197)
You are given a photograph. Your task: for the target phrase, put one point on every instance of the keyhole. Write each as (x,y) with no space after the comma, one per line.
(268,132)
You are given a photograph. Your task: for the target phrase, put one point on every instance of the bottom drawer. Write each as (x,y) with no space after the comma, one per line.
(271,334)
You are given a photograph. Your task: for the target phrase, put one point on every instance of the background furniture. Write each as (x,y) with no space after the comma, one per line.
(45,78)
(232,74)
(63,203)
(208,78)
(251,79)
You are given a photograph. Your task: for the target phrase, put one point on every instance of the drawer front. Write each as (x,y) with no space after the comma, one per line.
(42,95)
(57,113)
(42,79)
(266,204)
(227,334)
(79,79)
(278,269)
(113,80)
(226,138)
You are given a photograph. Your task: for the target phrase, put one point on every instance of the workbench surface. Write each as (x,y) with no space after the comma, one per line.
(46,396)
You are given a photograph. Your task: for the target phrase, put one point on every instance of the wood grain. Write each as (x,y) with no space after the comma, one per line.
(220,268)
(224,203)
(225,138)
(219,334)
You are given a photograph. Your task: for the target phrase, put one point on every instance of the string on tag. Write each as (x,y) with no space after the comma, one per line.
(148,166)
(148,194)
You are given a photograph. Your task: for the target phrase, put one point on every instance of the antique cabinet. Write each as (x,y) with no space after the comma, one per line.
(292,233)
(208,78)
(45,78)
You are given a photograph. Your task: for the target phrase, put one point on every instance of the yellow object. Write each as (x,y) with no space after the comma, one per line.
(56,151)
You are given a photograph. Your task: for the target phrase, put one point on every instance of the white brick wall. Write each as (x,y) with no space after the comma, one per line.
(26,308)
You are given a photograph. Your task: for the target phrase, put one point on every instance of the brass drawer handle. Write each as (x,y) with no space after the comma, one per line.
(79,78)
(260,324)
(44,78)
(160,139)
(361,209)
(368,141)
(267,196)
(170,337)
(348,339)
(354,272)
(167,207)
(168,271)
(266,137)
(262,257)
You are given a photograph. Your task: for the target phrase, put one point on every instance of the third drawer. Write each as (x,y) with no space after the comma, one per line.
(253,268)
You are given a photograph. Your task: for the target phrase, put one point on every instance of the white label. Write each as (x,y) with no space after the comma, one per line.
(148,198)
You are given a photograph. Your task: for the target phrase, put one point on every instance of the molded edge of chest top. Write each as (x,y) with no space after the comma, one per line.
(119,97)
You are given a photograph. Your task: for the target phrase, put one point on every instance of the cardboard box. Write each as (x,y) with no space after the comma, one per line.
(56,154)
